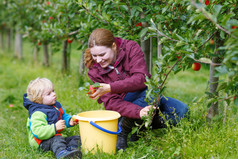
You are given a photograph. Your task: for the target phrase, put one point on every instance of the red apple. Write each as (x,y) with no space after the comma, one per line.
(50,18)
(207,2)
(211,42)
(233,27)
(91,89)
(178,57)
(139,24)
(196,66)
(49,3)
(39,43)
(70,41)
(74,118)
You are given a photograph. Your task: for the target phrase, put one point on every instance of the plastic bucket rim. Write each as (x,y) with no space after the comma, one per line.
(117,115)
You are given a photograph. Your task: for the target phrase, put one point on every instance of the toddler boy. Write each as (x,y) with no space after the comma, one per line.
(47,120)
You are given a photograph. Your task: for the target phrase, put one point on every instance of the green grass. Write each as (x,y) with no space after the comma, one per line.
(192,138)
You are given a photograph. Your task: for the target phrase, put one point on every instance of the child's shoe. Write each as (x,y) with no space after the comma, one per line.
(65,154)
(70,148)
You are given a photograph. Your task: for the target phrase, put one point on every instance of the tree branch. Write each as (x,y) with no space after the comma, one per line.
(207,40)
(73,32)
(103,20)
(160,33)
(207,16)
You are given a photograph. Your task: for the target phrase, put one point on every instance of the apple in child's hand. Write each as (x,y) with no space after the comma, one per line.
(74,118)
(196,66)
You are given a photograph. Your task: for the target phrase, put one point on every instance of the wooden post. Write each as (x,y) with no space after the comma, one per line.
(145,46)
(159,47)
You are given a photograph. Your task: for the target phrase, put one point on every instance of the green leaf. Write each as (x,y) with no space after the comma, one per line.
(143,32)
(205,60)
(222,86)
(96,85)
(217,9)
(236,101)
(222,70)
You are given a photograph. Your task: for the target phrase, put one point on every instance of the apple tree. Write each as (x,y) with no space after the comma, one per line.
(198,31)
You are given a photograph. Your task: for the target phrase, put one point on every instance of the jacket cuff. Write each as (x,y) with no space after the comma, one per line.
(114,88)
(137,112)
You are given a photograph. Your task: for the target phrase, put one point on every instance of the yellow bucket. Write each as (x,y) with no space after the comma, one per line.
(98,130)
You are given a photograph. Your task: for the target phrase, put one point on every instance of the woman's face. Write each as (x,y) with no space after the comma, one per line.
(103,55)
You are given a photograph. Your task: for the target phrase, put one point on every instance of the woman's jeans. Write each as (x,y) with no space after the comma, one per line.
(172,109)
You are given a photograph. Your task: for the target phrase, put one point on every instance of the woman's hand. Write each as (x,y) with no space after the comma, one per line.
(145,110)
(103,89)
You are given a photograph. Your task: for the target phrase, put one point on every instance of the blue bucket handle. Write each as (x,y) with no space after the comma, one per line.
(105,130)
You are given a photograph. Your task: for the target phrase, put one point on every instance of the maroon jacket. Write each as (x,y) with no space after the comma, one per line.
(128,76)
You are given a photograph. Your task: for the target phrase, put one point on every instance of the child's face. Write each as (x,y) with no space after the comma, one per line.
(49,97)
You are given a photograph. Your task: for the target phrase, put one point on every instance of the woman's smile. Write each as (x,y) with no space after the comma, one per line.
(103,55)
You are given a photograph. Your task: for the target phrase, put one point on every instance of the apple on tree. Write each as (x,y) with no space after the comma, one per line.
(70,41)
(233,27)
(139,25)
(211,42)
(196,66)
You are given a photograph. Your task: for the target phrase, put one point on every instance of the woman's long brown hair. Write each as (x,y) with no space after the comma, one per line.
(99,37)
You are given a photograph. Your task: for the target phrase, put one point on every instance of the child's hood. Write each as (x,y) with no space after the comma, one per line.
(26,102)
(32,107)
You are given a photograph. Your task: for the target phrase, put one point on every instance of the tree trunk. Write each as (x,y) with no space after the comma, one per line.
(18,45)
(65,61)
(81,64)
(46,55)
(159,47)
(213,81)
(36,53)
(2,38)
(9,39)
(145,46)
(151,55)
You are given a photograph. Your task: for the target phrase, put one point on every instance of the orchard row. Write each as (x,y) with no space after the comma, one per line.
(188,33)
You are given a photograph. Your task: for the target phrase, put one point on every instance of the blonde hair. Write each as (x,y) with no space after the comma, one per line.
(99,37)
(36,89)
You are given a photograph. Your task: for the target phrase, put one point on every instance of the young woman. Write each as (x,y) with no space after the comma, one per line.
(119,66)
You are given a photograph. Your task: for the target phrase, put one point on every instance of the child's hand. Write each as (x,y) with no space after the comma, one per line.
(60,125)
(73,121)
